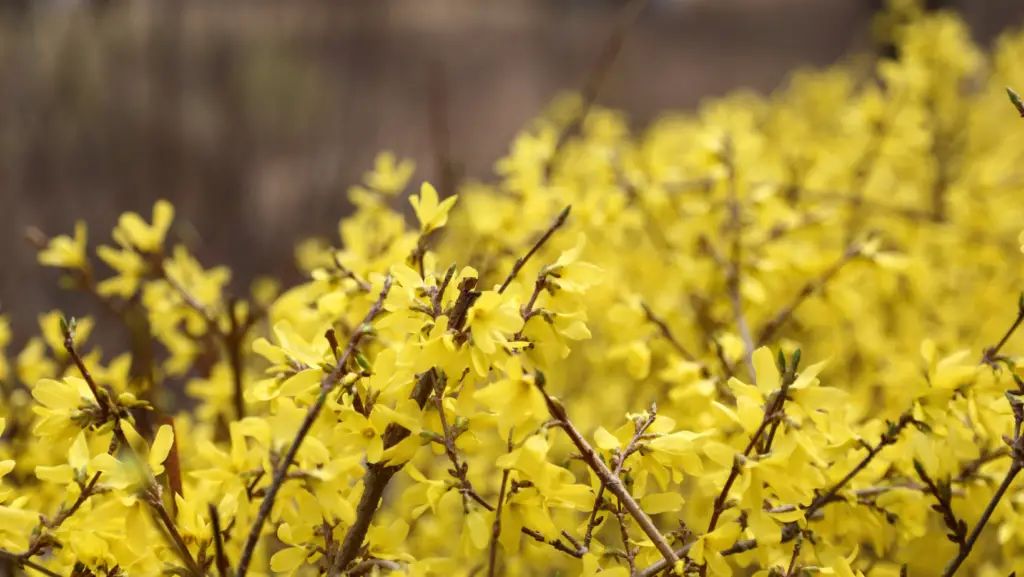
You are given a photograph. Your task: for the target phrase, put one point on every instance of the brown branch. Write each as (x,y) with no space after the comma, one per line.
(220,557)
(612,482)
(460,472)
(888,438)
(596,79)
(618,462)
(965,551)
(666,332)
(812,286)
(735,264)
(440,134)
(520,262)
(102,399)
(173,463)
(108,409)
(944,496)
(492,562)
(376,480)
(796,555)
(153,500)
(326,386)
(1016,445)
(27,563)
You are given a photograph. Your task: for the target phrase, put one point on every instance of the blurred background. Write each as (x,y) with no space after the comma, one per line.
(253,117)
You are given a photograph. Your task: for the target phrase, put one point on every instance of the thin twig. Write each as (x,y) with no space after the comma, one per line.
(666,332)
(27,563)
(221,558)
(796,555)
(326,386)
(772,415)
(812,286)
(611,481)
(492,562)
(376,480)
(460,471)
(520,262)
(1011,474)
(596,79)
(152,489)
(888,438)
(944,496)
(735,264)
(618,463)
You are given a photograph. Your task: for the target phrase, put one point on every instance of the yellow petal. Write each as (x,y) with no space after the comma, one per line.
(161,446)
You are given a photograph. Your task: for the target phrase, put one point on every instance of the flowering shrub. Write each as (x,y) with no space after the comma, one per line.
(772,338)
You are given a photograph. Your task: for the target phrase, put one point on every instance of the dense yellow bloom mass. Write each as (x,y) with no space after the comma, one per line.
(773,337)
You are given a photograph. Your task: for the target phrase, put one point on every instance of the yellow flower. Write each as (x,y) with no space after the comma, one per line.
(133,232)
(571,274)
(66,252)
(130,266)
(515,399)
(389,176)
(66,405)
(431,213)
(76,468)
(131,473)
(493,319)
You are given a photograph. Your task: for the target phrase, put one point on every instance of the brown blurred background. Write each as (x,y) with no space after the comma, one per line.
(254,117)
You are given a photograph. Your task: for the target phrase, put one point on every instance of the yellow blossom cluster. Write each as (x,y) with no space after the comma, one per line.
(774,337)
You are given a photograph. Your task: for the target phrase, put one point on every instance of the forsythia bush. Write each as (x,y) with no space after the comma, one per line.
(772,338)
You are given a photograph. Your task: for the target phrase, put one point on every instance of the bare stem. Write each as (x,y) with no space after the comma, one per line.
(326,386)
(812,286)
(376,480)
(520,262)
(221,558)
(608,479)
(492,562)
(597,78)
(965,551)
(735,264)
(666,332)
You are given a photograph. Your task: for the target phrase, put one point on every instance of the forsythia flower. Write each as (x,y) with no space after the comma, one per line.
(432,214)
(66,252)
(598,369)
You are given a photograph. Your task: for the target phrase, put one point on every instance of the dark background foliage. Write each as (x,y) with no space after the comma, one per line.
(254,116)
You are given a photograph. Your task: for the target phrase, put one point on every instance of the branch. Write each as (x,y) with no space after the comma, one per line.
(220,557)
(617,465)
(596,79)
(27,563)
(733,268)
(608,479)
(460,472)
(520,262)
(889,438)
(376,480)
(666,332)
(812,286)
(772,415)
(942,493)
(326,386)
(492,562)
(108,409)
(965,551)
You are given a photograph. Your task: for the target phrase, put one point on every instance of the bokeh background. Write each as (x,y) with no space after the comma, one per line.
(254,117)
